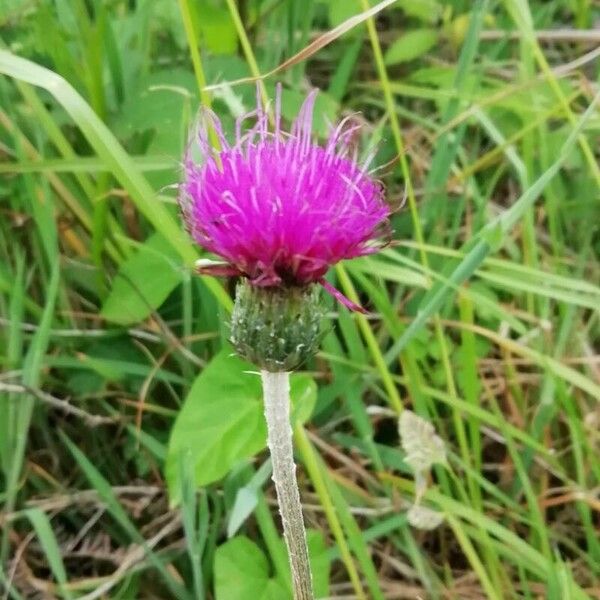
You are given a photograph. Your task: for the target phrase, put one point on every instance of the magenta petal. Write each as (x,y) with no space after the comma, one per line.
(277,207)
(341,298)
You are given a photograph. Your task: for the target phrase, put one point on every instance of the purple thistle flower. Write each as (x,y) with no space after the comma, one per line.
(277,207)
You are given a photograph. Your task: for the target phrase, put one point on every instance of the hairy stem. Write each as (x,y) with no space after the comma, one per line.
(276,388)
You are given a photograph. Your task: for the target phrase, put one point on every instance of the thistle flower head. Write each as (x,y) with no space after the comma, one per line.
(279,208)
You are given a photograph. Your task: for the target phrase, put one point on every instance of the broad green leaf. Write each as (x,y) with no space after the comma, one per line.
(411,45)
(212,20)
(242,570)
(143,282)
(221,420)
(217,28)
(157,103)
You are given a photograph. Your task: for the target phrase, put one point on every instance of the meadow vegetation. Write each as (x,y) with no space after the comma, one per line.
(132,443)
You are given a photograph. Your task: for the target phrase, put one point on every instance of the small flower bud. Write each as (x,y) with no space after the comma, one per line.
(276,328)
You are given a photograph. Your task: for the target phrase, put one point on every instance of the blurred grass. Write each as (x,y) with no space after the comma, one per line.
(485,313)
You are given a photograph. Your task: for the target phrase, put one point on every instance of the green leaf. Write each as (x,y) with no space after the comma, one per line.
(221,421)
(156,104)
(242,570)
(217,28)
(212,21)
(411,45)
(143,282)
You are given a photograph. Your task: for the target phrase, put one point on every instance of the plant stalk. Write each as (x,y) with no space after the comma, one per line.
(276,387)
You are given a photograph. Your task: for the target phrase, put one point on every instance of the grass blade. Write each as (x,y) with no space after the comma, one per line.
(491,238)
(112,153)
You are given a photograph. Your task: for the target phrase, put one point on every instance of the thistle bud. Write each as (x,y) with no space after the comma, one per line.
(276,328)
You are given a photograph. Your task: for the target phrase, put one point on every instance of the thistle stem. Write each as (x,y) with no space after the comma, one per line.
(276,388)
